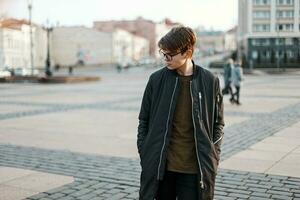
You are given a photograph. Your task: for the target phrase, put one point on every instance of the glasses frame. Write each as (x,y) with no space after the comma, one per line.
(168,56)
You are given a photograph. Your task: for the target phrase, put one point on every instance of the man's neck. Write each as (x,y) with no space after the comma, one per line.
(186,69)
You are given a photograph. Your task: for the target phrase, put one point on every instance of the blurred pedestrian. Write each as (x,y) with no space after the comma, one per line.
(119,67)
(237,78)
(228,67)
(70,70)
(180,125)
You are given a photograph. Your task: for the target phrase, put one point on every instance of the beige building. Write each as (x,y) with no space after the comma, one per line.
(230,39)
(268,32)
(128,47)
(210,42)
(141,27)
(70,45)
(15,44)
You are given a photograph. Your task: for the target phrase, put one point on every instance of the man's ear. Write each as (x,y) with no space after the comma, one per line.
(189,53)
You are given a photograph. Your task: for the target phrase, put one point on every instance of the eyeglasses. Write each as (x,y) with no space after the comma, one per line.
(168,56)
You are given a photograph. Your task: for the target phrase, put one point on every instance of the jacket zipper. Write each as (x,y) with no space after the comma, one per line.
(218,140)
(200,109)
(167,128)
(195,137)
(217,113)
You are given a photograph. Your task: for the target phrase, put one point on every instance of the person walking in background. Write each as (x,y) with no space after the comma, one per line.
(181,124)
(237,78)
(228,67)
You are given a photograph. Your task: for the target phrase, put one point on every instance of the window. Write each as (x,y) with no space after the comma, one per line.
(261,15)
(265,42)
(279,54)
(255,42)
(279,41)
(261,27)
(285,2)
(290,54)
(261,2)
(289,41)
(284,27)
(289,14)
(254,55)
(289,27)
(285,14)
(260,42)
(267,54)
(279,2)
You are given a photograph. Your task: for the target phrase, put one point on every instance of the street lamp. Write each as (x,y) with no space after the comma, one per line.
(278,28)
(278,48)
(29,2)
(48,60)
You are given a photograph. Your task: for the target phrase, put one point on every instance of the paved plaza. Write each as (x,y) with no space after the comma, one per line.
(78,141)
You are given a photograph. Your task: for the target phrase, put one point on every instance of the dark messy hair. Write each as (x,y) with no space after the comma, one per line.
(178,39)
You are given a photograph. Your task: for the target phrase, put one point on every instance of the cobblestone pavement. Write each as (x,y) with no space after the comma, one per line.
(107,177)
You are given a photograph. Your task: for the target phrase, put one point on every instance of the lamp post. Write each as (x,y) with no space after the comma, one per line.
(48,59)
(278,27)
(31,39)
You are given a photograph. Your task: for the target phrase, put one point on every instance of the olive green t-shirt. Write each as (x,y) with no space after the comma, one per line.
(181,156)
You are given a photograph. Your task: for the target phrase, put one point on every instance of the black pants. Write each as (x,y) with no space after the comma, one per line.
(182,186)
(237,94)
(227,89)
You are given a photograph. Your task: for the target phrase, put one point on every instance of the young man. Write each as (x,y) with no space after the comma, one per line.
(180,125)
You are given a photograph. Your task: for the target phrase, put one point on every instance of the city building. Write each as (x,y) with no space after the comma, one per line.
(210,42)
(15,48)
(80,45)
(268,33)
(142,27)
(230,39)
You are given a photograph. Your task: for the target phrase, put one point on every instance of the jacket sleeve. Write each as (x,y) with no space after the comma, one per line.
(144,116)
(218,119)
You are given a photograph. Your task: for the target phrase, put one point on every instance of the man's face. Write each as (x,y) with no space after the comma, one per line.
(173,60)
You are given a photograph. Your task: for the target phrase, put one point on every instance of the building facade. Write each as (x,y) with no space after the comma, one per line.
(80,45)
(148,29)
(268,33)
(230,39)
(15,48)
(72,45)
(210,42)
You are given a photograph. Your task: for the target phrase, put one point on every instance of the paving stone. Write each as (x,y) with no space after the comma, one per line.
(106,177)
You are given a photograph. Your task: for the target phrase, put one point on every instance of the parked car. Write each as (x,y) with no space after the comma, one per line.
(4,73)
(147,61)
(22,71)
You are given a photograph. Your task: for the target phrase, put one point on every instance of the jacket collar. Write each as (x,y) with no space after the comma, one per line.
(195,70)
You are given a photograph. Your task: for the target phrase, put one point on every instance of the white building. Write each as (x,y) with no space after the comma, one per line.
(148,29)
(230,39)
(15,48)
(210,42)
(268,32)
(70,45)
(141,48)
